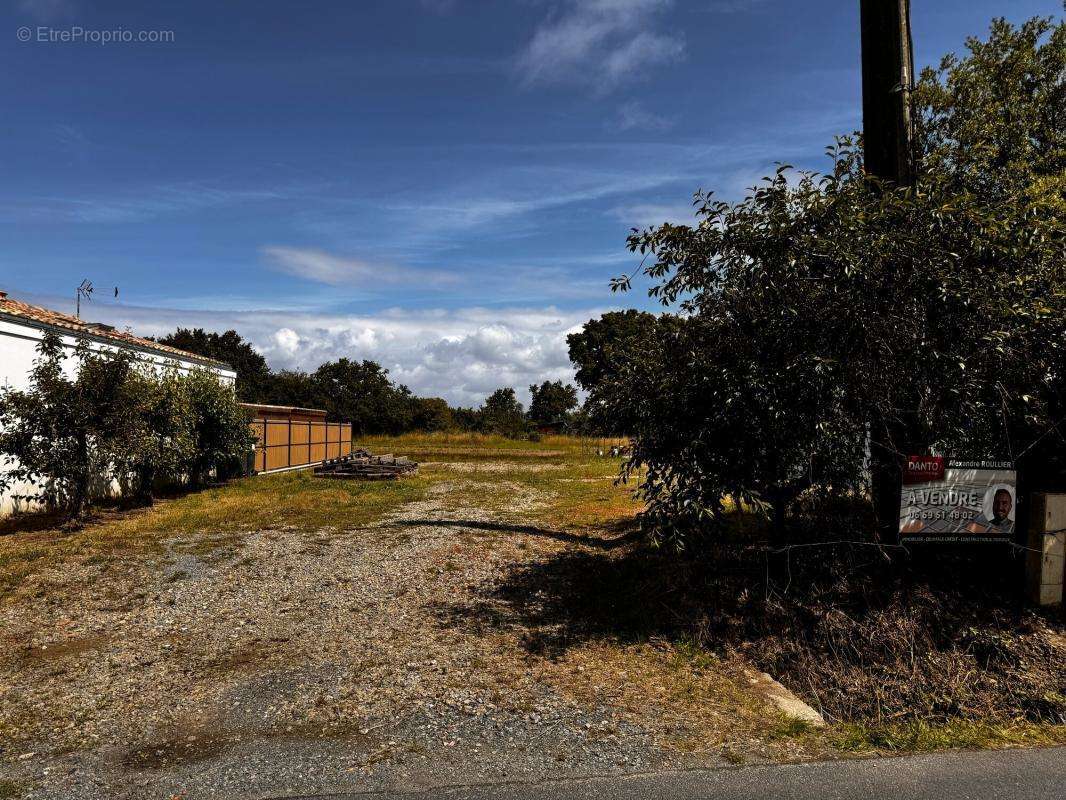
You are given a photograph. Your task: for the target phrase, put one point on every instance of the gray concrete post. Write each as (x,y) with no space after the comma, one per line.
(1047,549)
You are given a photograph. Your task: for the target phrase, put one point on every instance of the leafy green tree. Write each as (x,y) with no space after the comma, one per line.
(607,348)
(292,388)
(221,435)
(466,419)
(552,403)
(66,432)
(253,374)
(603,343)
(110,417)
(502,414)
(161,442)
(431,414)
(362,393)
(822,306)
(992,126)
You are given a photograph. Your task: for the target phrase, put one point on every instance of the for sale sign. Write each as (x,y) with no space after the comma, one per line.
(957,501)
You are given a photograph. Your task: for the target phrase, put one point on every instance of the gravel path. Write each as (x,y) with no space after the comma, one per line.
(288,663)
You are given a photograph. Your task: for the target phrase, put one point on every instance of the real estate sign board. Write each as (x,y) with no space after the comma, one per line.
(945,500)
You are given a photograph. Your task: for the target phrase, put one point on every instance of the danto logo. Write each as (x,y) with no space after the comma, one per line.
(923,469)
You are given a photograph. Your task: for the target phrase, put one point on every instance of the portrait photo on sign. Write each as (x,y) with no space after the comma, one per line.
(998,507)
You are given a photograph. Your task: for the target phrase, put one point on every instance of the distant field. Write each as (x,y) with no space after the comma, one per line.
(580,487)
(474,446)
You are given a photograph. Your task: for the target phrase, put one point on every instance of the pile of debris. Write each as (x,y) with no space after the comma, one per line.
(361,465)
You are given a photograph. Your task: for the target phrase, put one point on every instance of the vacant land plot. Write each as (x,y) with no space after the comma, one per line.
(288,634)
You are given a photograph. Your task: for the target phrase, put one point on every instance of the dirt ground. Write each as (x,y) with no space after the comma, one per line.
(407,652)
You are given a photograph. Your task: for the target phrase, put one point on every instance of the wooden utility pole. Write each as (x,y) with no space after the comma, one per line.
(887,79)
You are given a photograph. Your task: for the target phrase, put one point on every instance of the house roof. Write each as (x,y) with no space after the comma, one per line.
(264,408)
(46,318)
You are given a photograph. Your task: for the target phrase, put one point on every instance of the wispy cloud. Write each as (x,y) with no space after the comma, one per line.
(551,189)
(643,215)
(323,267)
(153,202)
(600,43)
(634,116)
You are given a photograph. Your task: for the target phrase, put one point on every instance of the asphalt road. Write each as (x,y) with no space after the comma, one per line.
(1007,774)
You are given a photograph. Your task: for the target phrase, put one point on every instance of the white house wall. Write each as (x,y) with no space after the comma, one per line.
(18,350)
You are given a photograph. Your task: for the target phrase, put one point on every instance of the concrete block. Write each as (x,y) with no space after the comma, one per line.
(1049,594)
(786,702)
(1046,559)
(1055,506)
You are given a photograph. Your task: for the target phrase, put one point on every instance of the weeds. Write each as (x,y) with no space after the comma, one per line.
(920,736)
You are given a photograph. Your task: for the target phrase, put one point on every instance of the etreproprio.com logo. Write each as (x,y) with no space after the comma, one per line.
(76,34)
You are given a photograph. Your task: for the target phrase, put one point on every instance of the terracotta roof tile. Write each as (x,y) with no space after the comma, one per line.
(79,327)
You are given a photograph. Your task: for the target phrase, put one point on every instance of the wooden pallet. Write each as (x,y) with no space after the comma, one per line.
(362,465)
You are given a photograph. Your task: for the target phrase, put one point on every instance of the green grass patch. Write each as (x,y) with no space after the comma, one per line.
(920,737)
(284,500)
(11,790)
(576,495)
(459,447)
(791,728)
(574,486)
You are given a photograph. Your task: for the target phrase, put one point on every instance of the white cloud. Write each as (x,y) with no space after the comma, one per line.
(633,116)
(598,42)
(322,267)
(642,215)
(461,210)
(287,341)
(460,354)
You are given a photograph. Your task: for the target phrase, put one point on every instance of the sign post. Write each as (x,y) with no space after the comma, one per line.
(944,500)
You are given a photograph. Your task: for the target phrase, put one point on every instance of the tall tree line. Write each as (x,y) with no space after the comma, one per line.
(361,392)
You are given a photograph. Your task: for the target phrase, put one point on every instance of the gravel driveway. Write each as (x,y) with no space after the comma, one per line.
(284,662)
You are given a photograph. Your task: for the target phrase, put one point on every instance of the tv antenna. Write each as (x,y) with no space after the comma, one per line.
(85,289)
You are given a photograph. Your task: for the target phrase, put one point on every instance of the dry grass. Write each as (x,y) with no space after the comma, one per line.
(285,500)
(214,519)
(206,521)
(696,702)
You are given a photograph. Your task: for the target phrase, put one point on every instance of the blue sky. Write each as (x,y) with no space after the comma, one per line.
(442,185)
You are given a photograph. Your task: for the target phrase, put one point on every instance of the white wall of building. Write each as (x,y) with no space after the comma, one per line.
(18,350)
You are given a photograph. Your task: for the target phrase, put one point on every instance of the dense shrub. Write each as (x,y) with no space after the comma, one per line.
(825,314)
(112,417)
(221,437)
